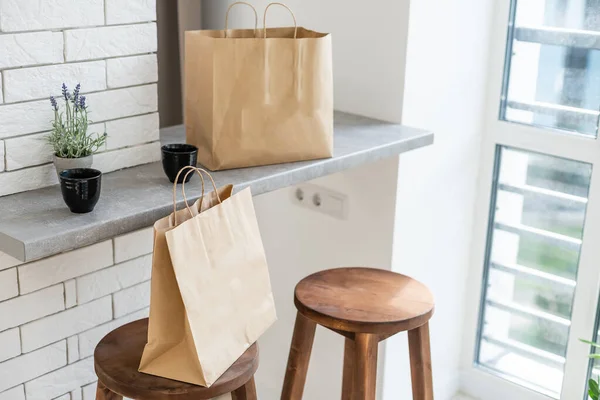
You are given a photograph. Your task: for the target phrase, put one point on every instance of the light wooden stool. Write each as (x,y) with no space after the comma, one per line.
(116,361)
(366,306)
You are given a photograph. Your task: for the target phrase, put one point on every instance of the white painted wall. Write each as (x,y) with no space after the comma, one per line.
(299,242)
(444,92)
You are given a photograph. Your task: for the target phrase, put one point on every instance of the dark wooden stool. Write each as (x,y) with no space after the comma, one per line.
(366,306)
(116,361)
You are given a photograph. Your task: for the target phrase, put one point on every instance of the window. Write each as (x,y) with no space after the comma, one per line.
(553,65)
(532,259)
(536,255)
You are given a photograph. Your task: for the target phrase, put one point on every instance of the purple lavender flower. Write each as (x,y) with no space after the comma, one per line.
(53,103)
(76,94)
(65,92)
(82,103)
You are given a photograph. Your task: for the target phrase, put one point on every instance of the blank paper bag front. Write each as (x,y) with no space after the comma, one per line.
(258,97)
(222,301)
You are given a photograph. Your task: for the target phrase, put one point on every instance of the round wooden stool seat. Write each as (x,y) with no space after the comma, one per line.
(116,361)
(366,306)
(364,300)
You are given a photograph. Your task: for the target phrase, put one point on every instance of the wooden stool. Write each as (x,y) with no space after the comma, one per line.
(116,361)
(366,306)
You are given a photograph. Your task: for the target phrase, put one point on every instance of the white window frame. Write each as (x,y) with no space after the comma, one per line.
(475,380)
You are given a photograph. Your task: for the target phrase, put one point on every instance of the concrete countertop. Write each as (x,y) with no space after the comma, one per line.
(38,224)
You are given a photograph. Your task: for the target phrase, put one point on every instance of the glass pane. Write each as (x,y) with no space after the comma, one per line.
(553,76)
(531,267)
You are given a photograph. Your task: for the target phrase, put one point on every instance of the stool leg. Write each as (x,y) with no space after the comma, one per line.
(420,363)
(297,366)
(246,392)
(365,368)
(103,393)
(348,379)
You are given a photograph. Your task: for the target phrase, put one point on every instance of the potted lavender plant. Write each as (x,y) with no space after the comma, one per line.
(73,146)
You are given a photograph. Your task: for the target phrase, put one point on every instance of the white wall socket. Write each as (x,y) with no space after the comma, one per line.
(322,200)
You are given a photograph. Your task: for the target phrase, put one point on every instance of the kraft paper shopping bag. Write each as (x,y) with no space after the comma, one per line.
(211,294)
(257,97)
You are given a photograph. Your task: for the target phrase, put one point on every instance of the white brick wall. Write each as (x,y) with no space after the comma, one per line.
(128,71)
(25,49)
(124,12)
(127,157)
(70,293)
(77,394)
(89,392)
(7,261)
(16,393)
(29,366)
(128,300)
(121,103)
(140,129)
(23,118)
(38,82)
(111,280)
(39,274)
(61,381)
(64,324)
(110,41)
(89,339)
(33,15)
(134,244)
(102,44)
(66,304)
(27,179)
(10,344)
(72,349)
(27,151)
(35,305)
(9,286)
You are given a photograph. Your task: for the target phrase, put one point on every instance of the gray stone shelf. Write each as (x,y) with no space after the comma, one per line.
(37,224)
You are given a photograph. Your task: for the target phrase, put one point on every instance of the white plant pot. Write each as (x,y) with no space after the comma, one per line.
(69,163)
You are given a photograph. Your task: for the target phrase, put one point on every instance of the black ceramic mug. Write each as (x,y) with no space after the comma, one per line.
(176,156)
(80,188)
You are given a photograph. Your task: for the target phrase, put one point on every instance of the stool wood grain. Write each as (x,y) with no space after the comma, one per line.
(365,305)
(116,361)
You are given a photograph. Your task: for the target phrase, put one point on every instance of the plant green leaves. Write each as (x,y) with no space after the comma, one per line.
(594,389)
(590,343)
(69,137)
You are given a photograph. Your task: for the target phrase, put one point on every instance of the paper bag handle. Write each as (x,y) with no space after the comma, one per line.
(191,169)
(249,5)
(199,171)
(265,19)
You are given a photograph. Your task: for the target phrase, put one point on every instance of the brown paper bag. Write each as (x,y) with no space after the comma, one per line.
(258,97)
(211,295)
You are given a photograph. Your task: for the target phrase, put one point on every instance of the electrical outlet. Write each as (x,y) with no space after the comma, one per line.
(322,200)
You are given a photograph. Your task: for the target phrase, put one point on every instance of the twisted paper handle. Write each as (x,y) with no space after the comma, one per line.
(189,170)
(265,19)
(249,5)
